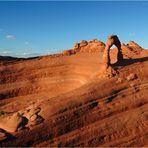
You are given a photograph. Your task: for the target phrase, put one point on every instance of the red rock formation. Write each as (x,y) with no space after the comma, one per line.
(133,44)
(112,40)
(91,46)
(67,106)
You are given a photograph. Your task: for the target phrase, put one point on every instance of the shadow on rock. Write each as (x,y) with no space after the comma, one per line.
(126,62)
(23,123)
(6,136)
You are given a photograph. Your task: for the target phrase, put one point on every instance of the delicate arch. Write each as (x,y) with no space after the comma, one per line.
(112,40)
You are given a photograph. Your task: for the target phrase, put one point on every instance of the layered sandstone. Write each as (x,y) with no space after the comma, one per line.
(67,100)
(112,40)
(91,46)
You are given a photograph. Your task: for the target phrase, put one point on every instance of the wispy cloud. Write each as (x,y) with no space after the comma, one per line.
(10,37)
(5,52)
(21,53)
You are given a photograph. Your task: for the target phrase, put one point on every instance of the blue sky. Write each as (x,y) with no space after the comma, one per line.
(37,28)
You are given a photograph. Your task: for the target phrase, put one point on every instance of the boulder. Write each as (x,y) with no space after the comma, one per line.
(83,43)
(76,45)
(33,117)
(12,122)
(70,52)
(132,76)
(31,113)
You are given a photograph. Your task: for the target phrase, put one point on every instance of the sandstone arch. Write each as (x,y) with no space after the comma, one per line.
(112,40)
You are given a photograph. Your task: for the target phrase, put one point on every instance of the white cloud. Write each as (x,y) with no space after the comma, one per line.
(21,53)
(5,52)
(26,43)
(10,37)
(132,34)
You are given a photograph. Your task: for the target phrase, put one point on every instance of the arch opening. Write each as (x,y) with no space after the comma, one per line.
(112,40)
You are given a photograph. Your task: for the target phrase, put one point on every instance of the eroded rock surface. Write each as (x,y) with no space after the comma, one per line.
(31,113)
(78,111)
(91,46)
(83,43)
(112,40)
(133,44)
(11,123)
(17,121)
